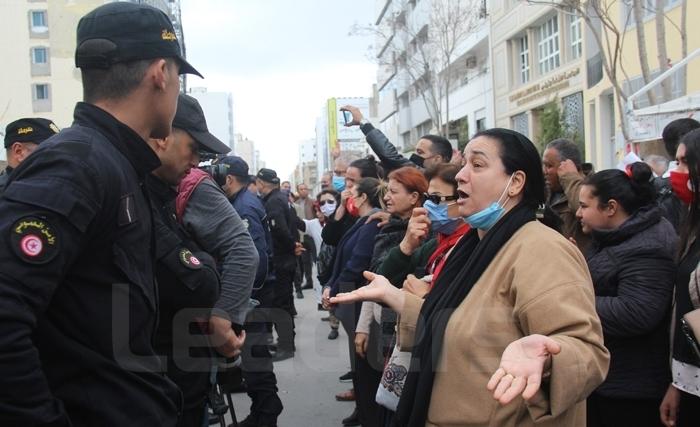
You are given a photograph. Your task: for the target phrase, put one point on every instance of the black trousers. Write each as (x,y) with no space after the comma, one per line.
(283,301)
(689,411)
(369,374)
(603,411)
(305,262)
(257,367)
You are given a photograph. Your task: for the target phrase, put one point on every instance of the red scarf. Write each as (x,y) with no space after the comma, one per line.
(445,244)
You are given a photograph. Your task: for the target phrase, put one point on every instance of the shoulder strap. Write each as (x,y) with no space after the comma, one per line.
(186,188)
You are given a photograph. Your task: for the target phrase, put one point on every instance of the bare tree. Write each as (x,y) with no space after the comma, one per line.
(661,47)
(609,38)
(425,53)
(638,10)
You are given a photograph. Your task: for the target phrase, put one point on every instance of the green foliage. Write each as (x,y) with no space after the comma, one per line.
(553,126)
(463,135)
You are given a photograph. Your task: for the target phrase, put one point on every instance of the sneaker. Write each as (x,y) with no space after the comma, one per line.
(333,334)
(346,377)
(300,295)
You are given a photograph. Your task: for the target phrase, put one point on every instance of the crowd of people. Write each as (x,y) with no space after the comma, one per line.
(143,266)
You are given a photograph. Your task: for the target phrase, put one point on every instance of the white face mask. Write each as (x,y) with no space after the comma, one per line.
(328,209)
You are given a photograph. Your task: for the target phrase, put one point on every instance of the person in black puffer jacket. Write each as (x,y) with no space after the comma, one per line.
(632,265)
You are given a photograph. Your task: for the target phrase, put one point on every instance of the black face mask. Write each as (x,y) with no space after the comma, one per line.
(417,160)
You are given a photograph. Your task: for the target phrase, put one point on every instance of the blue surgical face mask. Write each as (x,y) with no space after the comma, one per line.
(448,227)
(486,218)
(436,212)
(439,219)
(338,183)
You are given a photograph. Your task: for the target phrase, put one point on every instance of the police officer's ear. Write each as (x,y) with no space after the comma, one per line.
(160,72)
(158,145)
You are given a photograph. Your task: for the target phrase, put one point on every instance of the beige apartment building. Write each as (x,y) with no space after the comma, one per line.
(37,44)
(538,56)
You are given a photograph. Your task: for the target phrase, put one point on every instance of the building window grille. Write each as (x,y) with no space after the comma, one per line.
(520,124)
(524,59)
(576,35)
(549,45)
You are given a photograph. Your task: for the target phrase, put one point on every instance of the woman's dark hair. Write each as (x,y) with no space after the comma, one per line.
(518,153)
(446,172)
(691,140)
(333,193)
(369,168)
(373,188)
(674,132)
(632,191)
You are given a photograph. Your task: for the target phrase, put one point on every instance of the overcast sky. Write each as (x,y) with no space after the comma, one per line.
(281,59)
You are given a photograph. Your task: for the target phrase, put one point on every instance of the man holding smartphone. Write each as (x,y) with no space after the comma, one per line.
(430,149)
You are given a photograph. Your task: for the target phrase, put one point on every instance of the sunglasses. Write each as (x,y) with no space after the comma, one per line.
(439,199)
(323,202)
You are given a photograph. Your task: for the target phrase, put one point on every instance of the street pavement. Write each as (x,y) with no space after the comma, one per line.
(308,382)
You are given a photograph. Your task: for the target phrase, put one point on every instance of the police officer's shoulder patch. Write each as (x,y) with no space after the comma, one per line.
(189,260)
(34,240)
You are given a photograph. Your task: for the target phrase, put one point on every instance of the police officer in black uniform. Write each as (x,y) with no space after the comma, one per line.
(284,245)
(257,367)
(78,300)
(22,137)
(189,284)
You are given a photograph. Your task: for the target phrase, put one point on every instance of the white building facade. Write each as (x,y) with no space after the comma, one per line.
(218,110)
(402,112)
(37,43)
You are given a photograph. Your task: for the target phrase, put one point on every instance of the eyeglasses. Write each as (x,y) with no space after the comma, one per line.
(437,199)
(323,202)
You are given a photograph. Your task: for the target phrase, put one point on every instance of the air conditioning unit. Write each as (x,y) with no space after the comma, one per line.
(470,62)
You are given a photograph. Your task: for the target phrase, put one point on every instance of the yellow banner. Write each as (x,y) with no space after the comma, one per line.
(332,125)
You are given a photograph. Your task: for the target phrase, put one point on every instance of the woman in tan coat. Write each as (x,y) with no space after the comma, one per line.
(509,335)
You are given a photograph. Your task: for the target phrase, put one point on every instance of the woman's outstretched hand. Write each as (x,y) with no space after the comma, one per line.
(523,364)
(379,290)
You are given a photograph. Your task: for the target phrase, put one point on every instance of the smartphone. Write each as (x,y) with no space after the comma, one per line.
(347,116)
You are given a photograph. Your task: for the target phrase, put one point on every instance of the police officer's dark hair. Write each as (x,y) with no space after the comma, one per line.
(117,81)
(518,153)
(632,191)
(674,131)
(441,146)
(567,149)
(587,169)
(333,193)
(373,188)
(369,168)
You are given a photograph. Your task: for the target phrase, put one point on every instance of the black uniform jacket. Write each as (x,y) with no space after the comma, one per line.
(78,301)
(282,229)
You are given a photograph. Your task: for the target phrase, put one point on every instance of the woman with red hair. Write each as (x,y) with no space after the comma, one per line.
(404,192)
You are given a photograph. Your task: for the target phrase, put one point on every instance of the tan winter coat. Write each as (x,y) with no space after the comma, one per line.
(537,284)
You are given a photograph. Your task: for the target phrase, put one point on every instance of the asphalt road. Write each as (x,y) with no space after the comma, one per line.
(308,382)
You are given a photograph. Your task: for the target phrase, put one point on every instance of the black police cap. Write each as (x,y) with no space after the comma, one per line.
(190,118)
(123,32)
(268,175)
(236,166)
(35,130)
